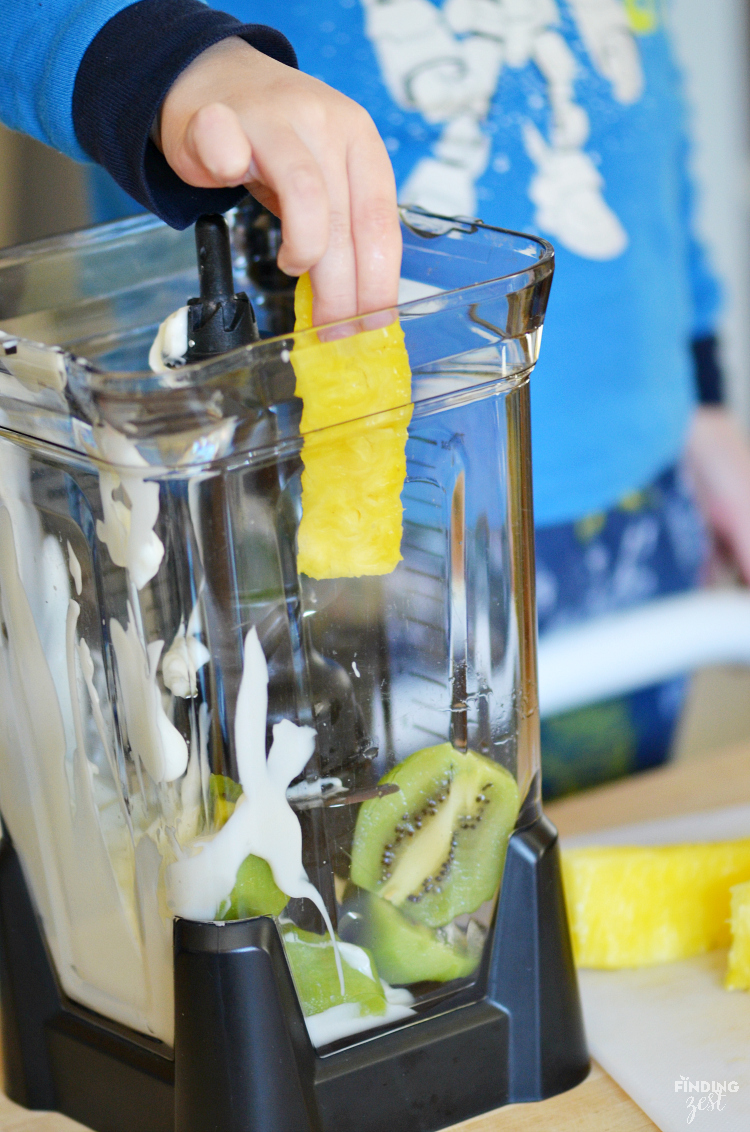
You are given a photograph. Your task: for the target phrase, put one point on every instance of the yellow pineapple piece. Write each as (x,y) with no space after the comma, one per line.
(303,303)
(633,906)
(356,395)
(738,966)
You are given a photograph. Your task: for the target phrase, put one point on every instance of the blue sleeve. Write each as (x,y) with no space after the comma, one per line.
(708,374)
(705,289)
(88,77)
(705,292)
(707,300)
(43,42)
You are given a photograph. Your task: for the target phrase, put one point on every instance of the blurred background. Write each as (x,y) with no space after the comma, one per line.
(43,193)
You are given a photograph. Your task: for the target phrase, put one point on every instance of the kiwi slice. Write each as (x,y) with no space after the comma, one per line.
(255,892)
(313,963)
(406,952)
(436,848)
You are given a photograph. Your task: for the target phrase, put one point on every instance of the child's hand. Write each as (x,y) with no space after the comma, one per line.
(311,155)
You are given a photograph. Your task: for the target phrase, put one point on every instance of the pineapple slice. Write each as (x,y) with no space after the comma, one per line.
(356,395)
(633,906)
(738,966)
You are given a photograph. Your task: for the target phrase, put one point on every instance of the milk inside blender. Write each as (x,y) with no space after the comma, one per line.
(273,852)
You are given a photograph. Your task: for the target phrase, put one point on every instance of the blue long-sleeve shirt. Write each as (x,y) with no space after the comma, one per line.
(580,135)
(582,138)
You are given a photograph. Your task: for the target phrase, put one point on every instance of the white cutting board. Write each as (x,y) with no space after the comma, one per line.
(649,1028)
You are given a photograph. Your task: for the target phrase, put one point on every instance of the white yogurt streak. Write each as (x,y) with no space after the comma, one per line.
(358,959)
(345,1019)
(32,364)
(111,947)
(319,788)
(54,822)
(263,823)
(170,345)
(182,660)
(128,527)
(87,671)
(153,737)
(354,957)
(156,929)
(75,569)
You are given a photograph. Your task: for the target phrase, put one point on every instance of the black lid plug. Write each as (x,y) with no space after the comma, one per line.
(219,320)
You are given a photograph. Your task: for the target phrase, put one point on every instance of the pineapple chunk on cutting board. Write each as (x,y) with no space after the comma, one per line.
(738,962)
(634,906)
(356,395)
(650,1027)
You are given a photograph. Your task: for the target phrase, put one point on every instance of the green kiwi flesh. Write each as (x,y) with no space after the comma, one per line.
(313,963)
(436,848)
(255,892)
(405,952)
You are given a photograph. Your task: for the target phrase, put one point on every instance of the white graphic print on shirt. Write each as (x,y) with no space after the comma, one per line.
(446,61)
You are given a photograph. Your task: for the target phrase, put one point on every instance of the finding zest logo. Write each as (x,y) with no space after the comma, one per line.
(709,1095)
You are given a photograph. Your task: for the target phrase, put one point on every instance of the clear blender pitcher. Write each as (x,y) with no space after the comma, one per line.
(273,830)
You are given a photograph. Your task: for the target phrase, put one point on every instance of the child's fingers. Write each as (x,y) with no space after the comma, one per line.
(215,151)
(334,277)
(266,196)
(286,167)
(374,221)
(359,269)
(236,116)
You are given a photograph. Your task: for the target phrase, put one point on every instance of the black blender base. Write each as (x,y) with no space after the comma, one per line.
(243,1061)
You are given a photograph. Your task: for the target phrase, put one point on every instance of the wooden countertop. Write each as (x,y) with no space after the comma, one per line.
(719,779)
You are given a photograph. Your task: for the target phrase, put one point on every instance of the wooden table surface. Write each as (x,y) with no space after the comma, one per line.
(597,1105)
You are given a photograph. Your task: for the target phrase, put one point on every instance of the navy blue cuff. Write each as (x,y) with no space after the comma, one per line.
(708,375)
(123,78)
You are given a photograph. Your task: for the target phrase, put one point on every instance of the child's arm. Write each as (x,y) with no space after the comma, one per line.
(90,77)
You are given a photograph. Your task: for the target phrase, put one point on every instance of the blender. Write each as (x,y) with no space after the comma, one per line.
(273,853)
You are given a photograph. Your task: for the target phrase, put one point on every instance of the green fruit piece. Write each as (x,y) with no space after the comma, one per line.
(255,892)
(436,848)
(313,963)
(406,952)
(224,793)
